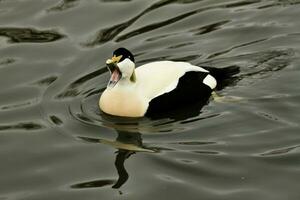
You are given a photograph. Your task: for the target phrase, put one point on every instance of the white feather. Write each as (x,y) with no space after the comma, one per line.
(157,78)
(210,81)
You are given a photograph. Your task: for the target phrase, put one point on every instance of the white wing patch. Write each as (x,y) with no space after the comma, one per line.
(157,78)
(210,81)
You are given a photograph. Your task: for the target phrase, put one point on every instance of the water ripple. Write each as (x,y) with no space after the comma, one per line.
(215,150)
(278,152)
(209,28)
(15,106)
(214,55)
(30,35)
(56,120)
(7,61)
(108,34)
(28,126)
(46,81)
(178,18)
(154,26)
(93,184)
(64,5)
(72,90)
(279,3)
(259,64)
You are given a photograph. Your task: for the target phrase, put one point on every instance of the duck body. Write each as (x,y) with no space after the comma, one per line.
(157,87)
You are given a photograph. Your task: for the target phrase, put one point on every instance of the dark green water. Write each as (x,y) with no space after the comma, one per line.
(56,144)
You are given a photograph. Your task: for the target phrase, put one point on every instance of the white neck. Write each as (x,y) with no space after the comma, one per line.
(126,80)
(124,84)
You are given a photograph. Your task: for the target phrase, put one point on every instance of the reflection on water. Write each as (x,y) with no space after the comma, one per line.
(127,143)
(55,143)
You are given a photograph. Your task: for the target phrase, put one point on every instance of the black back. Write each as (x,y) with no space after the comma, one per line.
(190,91)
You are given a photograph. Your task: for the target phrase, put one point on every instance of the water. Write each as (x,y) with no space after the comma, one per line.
(56,144)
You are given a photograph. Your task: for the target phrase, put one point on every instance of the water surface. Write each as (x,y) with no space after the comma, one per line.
(55,143)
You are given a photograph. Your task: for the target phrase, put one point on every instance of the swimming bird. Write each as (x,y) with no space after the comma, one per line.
(153,87)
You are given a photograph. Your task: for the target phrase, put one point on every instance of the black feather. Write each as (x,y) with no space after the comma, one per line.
(224,76)
(125,53)
(190,90)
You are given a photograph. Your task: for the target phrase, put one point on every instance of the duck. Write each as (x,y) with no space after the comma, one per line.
(155,87)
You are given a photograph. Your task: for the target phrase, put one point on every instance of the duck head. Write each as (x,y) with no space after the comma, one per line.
(121,67)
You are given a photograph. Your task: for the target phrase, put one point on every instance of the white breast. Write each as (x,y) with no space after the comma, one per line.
(124,103)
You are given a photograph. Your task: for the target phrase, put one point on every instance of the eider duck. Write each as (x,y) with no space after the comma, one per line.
(154,87)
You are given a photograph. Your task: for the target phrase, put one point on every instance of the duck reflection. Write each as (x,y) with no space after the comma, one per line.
(129,138)
(127,144)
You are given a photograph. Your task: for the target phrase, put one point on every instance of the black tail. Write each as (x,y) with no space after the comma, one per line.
(224,76)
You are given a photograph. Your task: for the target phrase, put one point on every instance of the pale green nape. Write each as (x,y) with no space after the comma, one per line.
(133,77)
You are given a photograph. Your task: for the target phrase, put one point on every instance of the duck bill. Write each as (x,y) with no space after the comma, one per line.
(116,74)
(115,77)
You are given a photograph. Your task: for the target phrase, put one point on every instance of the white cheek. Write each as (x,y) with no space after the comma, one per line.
(126,67)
